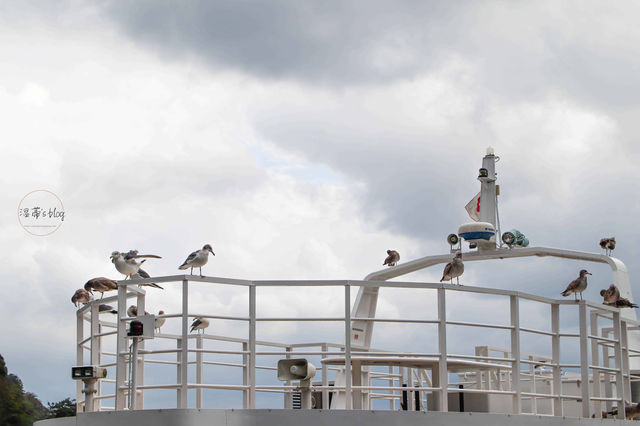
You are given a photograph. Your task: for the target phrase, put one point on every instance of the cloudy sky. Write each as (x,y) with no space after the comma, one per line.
(302,140)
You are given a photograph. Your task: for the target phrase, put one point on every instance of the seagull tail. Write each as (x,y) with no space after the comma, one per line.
(565,293)
(183,266)
(113,311)
(155,286)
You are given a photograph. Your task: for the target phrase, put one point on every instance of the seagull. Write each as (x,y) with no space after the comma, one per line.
(106,309)
(199,324)
(81,296)
(608,245)
(126,263)
(578,285)
(133,311)
(143,274)
(392,259)
(623,302)
(100,284)
(610,295)
(198,259)
(630,411)
(453,269)
(160,321)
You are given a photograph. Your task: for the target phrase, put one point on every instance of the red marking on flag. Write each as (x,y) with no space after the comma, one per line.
(478,207)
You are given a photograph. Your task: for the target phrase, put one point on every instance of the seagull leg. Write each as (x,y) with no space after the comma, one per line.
(102,295)
(201,276)
(192,270)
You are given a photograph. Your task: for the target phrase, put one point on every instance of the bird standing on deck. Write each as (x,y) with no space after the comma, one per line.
(100,284)
(81,296)
(578,285)
(453,269)
(197,259)
(608,245)
(126,263)
(199,324)
(393,257)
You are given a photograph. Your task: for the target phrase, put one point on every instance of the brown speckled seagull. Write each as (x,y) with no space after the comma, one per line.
(610,295)
(453,269)
(81,296)
(608,245)
(100,284)
(578,285)
(393,257)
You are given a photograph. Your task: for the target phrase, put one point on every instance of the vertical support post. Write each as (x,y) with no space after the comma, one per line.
(617,350)
(325,377)
(443,371)
(555,356)
(121,349)
(252,346)
(245,375)
(595,360)
(95,350)
(606,357)
(199,373)
(139,400)
(392,401)
(79,356)
(348,398)
(584,359)
(178,371)
(184,348)
(133,386)
(626,374)
(515,353)
(288,402)
(532,373)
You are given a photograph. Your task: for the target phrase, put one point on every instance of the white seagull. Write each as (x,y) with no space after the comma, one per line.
(159,321)
(197,259)
(126,263)
(199,324)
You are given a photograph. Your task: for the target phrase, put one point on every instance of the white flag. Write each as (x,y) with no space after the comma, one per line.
(473,208)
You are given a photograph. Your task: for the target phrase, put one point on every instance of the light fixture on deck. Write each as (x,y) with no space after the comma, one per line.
(453,239)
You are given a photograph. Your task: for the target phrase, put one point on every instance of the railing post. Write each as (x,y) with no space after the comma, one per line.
(617,350)
(288,401)
(199,372)
(252,346)
(595,360)
(348,399)
(325,377)
(606,356)
(626,374)
(121,349)
(555,355)
(584,359)
(79,356)
(184,348)
(178,371)
(139,405)
(245,374)
(95,352)
(443,371)
(515,353)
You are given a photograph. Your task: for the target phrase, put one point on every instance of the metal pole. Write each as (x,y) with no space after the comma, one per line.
(348,401)
(184,360)
(606,356)
(443,371)
(625,359)
(515,353)
(178,372)
(139,377)
(121,349)
(133,379)
(595,360)
(555,350)
(617,350)
(199,373)
(252,346)
(79,357)
(325,377)
(95,353)
(245,375)
(584,359)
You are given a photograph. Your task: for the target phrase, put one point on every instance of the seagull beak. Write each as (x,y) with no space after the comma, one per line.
(212,252)
(589,273)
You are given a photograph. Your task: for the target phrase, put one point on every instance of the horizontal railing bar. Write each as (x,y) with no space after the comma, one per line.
(179,278)
(534,331)
(283,319)
(597,367)
(471,324)
(602,339)
(391,320)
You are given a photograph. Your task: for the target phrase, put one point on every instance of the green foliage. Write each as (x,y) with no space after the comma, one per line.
(64,408)
(20,408)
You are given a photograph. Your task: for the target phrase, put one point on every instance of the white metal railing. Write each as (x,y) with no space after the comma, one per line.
(596,371)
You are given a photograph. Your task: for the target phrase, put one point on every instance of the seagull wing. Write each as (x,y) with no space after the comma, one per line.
(195,323)
(190,258)
(388,260)
(152,256)
(447,271)
(143,274)
(571,288)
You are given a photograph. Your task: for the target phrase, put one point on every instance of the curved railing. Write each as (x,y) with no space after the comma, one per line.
(539,387)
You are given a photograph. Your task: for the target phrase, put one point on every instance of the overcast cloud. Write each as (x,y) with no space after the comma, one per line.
(302,140)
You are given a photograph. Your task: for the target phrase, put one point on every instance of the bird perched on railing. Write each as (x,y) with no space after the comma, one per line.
(81,296)
(453,269)
(610,295)
(143,274)
(578,285)
(199,324)
(393,257)
(133,311)
(126,263)
(100,284)
(197,259)
(159,321)
(631,411)
(608,245)
(103,309)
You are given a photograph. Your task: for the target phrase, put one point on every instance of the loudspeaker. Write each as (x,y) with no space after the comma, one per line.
(295,369)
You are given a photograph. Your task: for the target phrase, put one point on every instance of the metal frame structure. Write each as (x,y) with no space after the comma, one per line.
(611,341)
